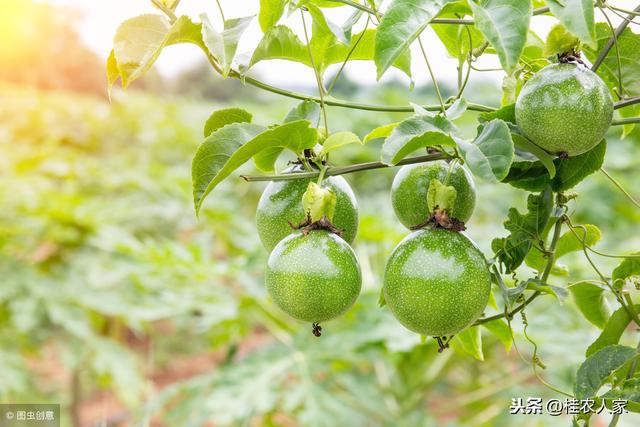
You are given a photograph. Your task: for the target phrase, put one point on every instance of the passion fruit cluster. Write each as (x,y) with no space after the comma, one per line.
(436,281)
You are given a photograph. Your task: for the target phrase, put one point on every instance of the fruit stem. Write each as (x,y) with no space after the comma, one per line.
(358,167)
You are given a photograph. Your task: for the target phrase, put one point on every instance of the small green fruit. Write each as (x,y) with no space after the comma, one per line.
(313,277)
(281,203)
(565,108)
(411,184)
(436,282)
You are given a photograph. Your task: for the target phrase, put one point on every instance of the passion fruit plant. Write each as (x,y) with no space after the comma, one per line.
(559,97)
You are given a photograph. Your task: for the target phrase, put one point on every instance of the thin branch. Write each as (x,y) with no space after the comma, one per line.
(433,76)
(333,171)
(316,73)
(625,121)
(605,50)
(615,43)
(626,102)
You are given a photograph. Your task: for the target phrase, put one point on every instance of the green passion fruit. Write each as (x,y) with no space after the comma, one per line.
(281,203)
(436,282)
(565,109)
(313,277)
(411,184)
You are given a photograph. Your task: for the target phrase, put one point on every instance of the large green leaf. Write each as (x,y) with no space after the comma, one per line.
(533,176)
(590,300)
(470,340)
(224,117)
(223,46)
(577,17)
(338,140)
(612,331)
(282,43)
(505,23)
(594,371)
(567,243)
(629,48)
(139,41)
(525,229)
(402,23)
(414,133)
(270,13)
(362,48)
(215,152)
(629,390)
(230,147)
(490,155)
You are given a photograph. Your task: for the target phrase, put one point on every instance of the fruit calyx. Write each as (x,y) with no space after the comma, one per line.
(440,218)
(319,203)
(440,200)
(571,57)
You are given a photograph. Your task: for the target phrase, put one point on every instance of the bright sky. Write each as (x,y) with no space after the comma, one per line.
(101,19)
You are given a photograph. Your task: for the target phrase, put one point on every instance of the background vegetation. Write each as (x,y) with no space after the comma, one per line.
(118,304)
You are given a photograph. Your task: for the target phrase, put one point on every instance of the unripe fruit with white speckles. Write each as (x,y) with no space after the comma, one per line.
(436,282)
(411,184)
(565,108)
(281,202)
(313,277)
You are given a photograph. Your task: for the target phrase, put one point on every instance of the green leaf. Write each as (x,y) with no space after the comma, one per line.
(340,139)
(139,41)
(559,41)
(567,243)
(537,285)
(628,44)
(500,329)
(113,73)
(323,25)
(490,155)
(402,23)
(266,159)
(525,230)
(594,371)
(414,133)
(533,176)
(523,143)
(590,300)
(224,117)
(629,390)
(230,147)
(362,48)
(470,339)
(305,110)
(505,23)
(457,109)
(380,132)
(319,202)
(215,152)
(629,267)
(577,17)
(440,196)
(381,299)
(506,113)
(280,42)
(612,331)
(270,13)
(223,46)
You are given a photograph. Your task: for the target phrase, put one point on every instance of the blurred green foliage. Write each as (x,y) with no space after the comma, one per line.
(106,274)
